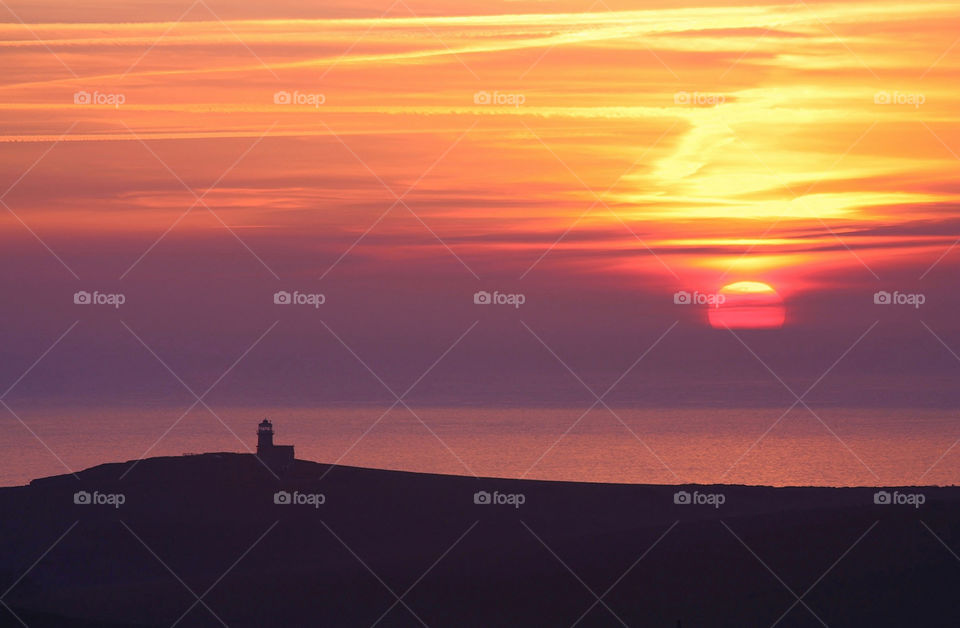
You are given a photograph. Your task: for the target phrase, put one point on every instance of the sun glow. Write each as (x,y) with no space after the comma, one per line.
(748,305)
(747,287)
(746,141)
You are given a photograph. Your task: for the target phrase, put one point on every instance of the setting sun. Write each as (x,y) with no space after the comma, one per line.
(506,280)
(748,305)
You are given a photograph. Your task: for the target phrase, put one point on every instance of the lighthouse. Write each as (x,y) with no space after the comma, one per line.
(264,436)
(277,457)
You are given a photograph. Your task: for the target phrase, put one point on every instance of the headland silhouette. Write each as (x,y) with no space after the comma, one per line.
(265,540)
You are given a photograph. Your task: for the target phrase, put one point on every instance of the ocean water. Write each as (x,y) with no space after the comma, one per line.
(837,447)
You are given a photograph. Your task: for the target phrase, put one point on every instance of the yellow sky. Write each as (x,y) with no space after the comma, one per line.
(742,140)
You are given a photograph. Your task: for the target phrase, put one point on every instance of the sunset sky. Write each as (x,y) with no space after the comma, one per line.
(596,158)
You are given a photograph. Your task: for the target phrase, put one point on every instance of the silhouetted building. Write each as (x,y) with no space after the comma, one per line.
(277,457)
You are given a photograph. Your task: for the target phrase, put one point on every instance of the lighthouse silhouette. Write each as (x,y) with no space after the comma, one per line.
(277,457)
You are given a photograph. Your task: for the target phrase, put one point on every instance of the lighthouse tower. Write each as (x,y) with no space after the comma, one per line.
(264,437)
(278,457)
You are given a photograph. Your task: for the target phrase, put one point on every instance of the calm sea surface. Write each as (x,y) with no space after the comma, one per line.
(843,447)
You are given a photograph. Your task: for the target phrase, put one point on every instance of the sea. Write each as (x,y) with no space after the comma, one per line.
(753,446)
